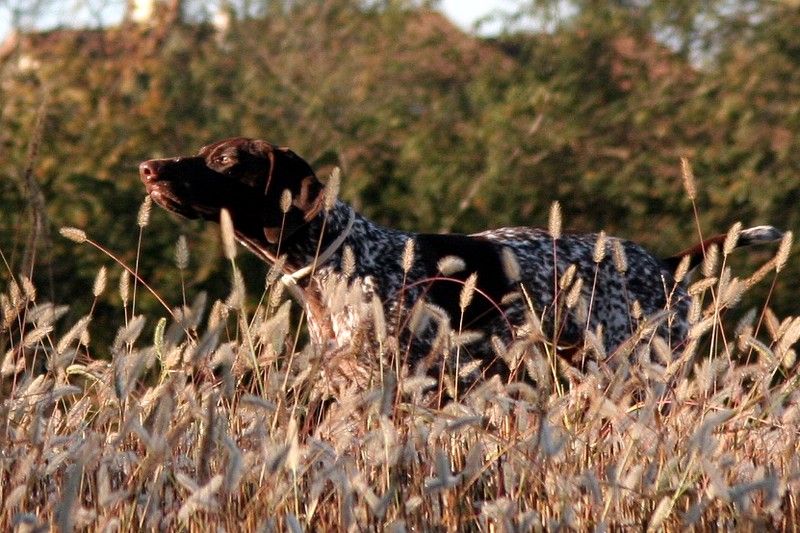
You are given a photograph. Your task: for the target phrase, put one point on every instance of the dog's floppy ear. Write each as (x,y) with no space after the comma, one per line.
(310,200)
(306,188)
(290,171)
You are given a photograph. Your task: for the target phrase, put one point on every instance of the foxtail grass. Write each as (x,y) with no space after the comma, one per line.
(243,426)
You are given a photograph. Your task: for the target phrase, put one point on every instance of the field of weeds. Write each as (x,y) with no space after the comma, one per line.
(225,419)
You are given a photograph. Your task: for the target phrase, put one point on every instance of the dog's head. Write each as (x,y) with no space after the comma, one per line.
(248,177)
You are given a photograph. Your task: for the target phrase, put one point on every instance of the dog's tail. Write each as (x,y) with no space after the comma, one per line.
(748,237)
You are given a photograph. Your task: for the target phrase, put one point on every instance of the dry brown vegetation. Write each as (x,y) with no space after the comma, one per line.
(222,420)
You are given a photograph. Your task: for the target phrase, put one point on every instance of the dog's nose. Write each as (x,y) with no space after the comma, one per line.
(149,170)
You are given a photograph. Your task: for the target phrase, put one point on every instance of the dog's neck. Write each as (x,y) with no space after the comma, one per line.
(368,241)
(325,230)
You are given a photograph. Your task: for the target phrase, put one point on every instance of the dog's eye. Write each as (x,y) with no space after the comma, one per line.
(224,160)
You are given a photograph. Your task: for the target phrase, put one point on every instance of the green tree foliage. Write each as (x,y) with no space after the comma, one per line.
(433,128)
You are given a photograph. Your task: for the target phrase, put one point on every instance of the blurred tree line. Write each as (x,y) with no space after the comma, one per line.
(590,103)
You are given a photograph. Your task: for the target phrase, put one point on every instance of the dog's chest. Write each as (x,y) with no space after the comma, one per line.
(347,306)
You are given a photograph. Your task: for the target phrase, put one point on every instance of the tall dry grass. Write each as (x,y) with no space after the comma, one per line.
(222,420)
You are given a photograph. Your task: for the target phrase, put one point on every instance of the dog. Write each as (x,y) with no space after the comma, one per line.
(576,287)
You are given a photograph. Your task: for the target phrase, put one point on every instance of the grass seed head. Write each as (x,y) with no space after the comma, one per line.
(99,282)
(85,337)
(620,259)
(332,188)
(636,310)
(74,333)
(27,288)
(732,238)
(348,261)
(286,201)
(782,256)
(217,315)
(450,264)
(695,310)
(124,286)
(470,368)
(600,247)
(73,234)
(276,270)
(683,268)
(182,253)
(378,318)
(15,293)
(688,179)
(789,358)
(568,276)
(419,319)
(228,236)
(732,292)
(408,255)
(143,217)
(277,295)
(9,310)
(511,265)
(574,293)
(35,335)
(237,295)
(710,260)
(554,224)
(467,291)
(128,333)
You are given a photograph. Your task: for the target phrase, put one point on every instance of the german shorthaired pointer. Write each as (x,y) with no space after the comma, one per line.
(614,285)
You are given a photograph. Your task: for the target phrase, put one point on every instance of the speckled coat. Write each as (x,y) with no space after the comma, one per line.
(501,305)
